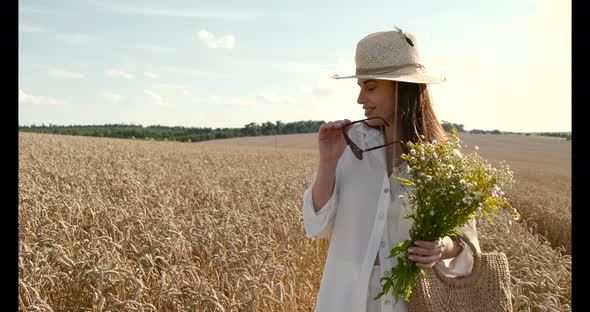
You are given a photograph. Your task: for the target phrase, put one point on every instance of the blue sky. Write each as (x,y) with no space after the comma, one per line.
(229,63)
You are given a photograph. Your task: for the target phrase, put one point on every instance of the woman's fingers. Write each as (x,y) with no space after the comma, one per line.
(339,124)
(426,253)
(429,244)
(424,259)
(335,125)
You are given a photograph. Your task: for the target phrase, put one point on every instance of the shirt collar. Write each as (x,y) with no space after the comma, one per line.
(370,137)
(370,134)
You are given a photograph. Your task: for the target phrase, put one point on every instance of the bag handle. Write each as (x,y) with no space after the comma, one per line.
(462,281)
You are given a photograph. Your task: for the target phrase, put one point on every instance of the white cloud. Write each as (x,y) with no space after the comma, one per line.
(181,89)
(243,102)
(316,90)
(169,12)
(111,97)
(150,75)
(62,73)
(156,98)
(115,73)
(192,71)
(26,98)
(76,38)
(322,97)
(343,66)
(32,29)
(319,78)
(226,42)
(273,98)
(185,70)
(321,91)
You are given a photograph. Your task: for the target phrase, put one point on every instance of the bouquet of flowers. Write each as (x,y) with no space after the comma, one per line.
(448,190)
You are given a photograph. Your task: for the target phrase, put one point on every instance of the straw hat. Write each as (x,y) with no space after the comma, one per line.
(391,55)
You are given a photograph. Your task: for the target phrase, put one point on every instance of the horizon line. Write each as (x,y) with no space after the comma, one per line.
(258,123)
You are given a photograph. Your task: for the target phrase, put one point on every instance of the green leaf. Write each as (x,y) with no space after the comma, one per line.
(400,248)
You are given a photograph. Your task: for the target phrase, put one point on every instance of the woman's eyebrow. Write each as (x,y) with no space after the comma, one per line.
(367,81)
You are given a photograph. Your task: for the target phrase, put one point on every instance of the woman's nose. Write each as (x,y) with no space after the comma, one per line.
(360,99)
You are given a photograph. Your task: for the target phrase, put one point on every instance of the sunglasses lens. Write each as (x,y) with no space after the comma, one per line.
(357,152)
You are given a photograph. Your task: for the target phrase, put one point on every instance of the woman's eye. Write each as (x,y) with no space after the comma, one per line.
(371,89)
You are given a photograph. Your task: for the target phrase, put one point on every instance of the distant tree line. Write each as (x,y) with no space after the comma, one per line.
(448,125)
(565,135)
(183,134)
(190,134)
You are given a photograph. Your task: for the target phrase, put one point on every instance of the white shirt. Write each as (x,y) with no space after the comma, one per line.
(364,215)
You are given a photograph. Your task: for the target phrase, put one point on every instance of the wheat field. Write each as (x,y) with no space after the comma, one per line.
(127,225)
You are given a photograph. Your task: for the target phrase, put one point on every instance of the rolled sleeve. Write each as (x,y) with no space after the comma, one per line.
(462,264)
(319,223)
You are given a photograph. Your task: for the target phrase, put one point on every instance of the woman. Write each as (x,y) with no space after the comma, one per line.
(354,198)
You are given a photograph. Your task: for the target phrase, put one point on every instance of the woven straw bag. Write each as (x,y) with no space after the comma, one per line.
(486,289)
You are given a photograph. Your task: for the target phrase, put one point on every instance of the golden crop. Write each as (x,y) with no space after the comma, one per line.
(123,225)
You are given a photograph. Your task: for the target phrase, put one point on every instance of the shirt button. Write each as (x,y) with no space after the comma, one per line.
(385,190)
(381,216)
(382,244)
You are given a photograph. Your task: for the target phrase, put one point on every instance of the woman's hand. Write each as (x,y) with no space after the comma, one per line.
(331,140)
(426,253)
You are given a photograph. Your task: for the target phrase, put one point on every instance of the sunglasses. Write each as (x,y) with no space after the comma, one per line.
(357,151)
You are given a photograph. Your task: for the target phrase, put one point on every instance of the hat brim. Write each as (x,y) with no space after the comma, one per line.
(413,78)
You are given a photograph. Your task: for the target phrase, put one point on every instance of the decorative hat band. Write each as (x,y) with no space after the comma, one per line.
(387,69)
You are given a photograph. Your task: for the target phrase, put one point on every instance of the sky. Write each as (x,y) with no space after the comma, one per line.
(224,64)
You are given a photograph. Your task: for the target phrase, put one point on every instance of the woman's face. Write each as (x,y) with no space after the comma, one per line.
(377,98)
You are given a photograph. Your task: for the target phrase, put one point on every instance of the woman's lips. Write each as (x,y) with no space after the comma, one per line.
(368,110)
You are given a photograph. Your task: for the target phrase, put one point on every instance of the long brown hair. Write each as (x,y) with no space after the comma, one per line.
(416,114)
